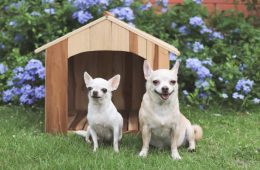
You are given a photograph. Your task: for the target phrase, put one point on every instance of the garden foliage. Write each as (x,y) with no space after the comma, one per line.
(220,53)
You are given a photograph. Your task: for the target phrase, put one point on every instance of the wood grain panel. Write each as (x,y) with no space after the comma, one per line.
(163,58)
(150,52)
(100,36)
(133,43)
(141,47)
(56,100)
(120,38)
(79,43)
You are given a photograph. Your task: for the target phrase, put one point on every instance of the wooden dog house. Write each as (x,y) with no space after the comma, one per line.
(103,48)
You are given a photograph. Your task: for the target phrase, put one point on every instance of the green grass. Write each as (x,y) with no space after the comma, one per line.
(231,141)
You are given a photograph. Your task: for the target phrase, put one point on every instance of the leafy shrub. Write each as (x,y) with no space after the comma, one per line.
(220,52)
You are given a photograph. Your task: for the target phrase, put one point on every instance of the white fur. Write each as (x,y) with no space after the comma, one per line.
(160,119)
(105,122)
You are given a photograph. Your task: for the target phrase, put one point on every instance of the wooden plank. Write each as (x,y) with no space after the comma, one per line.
(163,58)
(150,53)
(81,124)
(120,38)
(156,58)
(79,43)
(56,100)
(133,43)
(144,35)
(69,34)
(71,88)
(141,47)
(71,119)
(100,36)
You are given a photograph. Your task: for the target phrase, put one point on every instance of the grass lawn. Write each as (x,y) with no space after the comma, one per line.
(231,141)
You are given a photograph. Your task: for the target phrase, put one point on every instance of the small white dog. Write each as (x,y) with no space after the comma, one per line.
(161,122)
(105,122)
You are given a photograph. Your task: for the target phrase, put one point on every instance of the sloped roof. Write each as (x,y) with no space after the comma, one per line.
(124,25)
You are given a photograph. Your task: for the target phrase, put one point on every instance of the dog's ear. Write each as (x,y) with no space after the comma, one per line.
(87,78)
(147,69)
(114,82)
(175,68)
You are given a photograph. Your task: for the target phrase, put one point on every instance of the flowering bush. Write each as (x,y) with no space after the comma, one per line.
(26,84)
(220,52)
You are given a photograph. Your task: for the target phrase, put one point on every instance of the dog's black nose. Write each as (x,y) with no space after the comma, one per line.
(165,89)
(95,93)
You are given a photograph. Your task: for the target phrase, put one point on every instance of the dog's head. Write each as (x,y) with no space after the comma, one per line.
(99,88)
(161,84)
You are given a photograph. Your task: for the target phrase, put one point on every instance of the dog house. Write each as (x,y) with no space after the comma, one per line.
(103,48)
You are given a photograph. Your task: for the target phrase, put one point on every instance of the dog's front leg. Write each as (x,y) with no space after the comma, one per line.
(174,146)
(88,135)
(116,138)
(146,136)
(94,138)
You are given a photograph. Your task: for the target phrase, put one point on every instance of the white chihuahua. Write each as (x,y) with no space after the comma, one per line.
(105,122)
(160,119)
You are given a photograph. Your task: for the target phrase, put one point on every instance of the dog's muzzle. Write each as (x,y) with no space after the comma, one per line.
(164,95)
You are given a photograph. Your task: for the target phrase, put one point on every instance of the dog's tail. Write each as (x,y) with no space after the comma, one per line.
(82,133)
(198,132)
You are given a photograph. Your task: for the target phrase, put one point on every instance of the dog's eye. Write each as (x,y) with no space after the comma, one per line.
(156,82)
(89,88)
(172,82)
(104,90)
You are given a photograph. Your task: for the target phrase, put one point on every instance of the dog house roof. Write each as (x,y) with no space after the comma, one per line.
(109,33)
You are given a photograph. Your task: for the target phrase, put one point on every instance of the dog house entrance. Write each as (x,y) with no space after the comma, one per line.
(105,64)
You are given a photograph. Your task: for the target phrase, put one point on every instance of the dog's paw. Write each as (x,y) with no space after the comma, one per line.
(87,140)
(176,157)
(143,153)
(95,149)
(191,150)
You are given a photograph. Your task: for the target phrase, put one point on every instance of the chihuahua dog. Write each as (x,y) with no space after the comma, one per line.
(161,122)
(105,122)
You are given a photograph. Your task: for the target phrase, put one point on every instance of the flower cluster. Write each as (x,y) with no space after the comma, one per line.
(197,46)
(197,22)
(3,68)
(197,1)
(83,6)
(243,87)
(24,85)
(123,13)
(146,6)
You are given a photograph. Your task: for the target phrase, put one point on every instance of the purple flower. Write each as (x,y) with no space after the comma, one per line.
(220,79)
(205,29)
(185,92)
(256,101)
(173,25)
(197,1)
(146,6)
(39,92)
(34,13)
(183,30)
(33,65)
(201,84)
(50,11)
(203,73)
(128,2)
(48,1)
(3,68)
(13,23)
(82,16)
(193,63)
(244,85)
(164,3)
(172,57)
(207,62)
(197,46)
(236,95)
(41,73)
(7,95)
(224,95)
(196,21)
(123,13)
(18,38)
(216,35)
